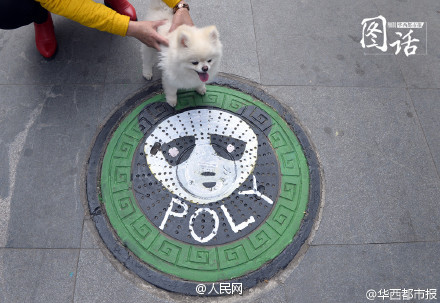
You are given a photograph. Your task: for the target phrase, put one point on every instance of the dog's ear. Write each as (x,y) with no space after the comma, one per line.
(213,33)
(183,39)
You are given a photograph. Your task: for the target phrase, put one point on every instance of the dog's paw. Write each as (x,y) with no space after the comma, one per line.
(147,75)
(172,101)
(201,90)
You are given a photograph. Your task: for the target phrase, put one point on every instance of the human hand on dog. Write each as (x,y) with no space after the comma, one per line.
(146,32)
(181,17)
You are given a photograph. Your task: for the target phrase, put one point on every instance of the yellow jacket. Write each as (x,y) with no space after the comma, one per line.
(92,14)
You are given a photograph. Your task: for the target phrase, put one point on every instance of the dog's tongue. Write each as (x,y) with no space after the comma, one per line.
(203,77)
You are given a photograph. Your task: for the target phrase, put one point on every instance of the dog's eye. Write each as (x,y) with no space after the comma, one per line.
(195,62)
(228,147)
(209,61)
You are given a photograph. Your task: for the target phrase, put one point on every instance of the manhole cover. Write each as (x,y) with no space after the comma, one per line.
(222,189)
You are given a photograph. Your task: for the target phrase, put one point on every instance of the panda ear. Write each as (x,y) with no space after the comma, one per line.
(156,147)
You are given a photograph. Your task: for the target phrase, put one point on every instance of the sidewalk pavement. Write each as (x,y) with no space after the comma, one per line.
(374,120)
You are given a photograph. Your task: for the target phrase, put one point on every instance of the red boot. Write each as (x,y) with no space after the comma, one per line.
(123,7)
(45,38)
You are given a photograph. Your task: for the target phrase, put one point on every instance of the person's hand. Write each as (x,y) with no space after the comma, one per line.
(181,17)
(146,32)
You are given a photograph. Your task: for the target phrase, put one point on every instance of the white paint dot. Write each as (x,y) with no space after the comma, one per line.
(173,152)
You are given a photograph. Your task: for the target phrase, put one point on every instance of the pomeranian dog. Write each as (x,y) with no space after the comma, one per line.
(191,59)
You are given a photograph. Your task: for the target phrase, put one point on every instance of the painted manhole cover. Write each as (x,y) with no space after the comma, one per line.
(221,190)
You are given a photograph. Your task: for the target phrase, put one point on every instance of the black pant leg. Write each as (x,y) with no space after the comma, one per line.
(16,13)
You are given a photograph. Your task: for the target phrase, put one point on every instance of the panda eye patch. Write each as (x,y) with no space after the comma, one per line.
(228,147)
(178,150)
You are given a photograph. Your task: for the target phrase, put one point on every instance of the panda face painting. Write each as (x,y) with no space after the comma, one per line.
(202,159)
(205,175)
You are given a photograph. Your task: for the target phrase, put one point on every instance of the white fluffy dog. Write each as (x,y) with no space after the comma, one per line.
(192,57)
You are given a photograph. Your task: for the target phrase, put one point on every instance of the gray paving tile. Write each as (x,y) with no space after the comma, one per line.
(427,105)
(380,182)
(81,58)
(17,105)
(124,62)
(345,273)
(72,106)
(419,71)
(115,95)
(90,238)
(46,209)
(37,275)
(268,292)
(4,171)
(99,281)
(276,295)
(234,22)
(317,43)
(19,109)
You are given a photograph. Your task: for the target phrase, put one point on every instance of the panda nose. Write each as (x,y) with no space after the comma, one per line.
(205,68)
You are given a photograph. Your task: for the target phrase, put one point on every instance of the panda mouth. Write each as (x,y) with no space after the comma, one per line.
(209,184)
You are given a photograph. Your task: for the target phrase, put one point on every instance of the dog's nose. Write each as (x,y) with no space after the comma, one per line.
(205,68)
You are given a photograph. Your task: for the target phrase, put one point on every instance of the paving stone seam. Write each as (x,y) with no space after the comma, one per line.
(338,86)
(402,74)
(314,245)
(375,243)
(79,254)
(107,63)
(241,77)
(39,248)
(256,41)
(424,134)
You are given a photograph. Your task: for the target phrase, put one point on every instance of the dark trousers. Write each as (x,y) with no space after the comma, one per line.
(16,13)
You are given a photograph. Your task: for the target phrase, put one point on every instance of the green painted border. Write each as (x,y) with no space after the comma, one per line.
(205,263)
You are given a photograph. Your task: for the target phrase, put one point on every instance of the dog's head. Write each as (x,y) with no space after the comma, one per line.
(198,50)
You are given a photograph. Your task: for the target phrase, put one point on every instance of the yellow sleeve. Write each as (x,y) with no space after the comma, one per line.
(89,13)
(171,3)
